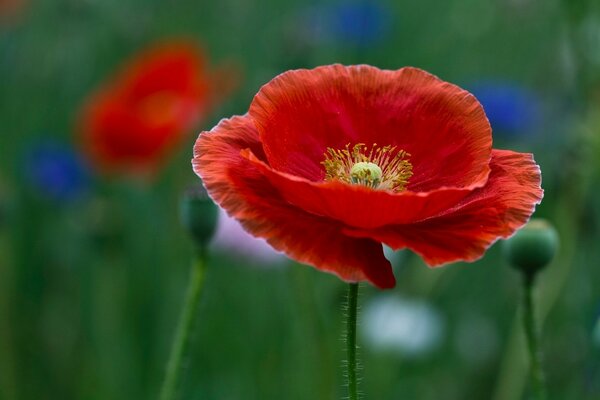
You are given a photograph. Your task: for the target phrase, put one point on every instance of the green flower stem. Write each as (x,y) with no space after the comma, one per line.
(187,322)
(351,341)
(531,335)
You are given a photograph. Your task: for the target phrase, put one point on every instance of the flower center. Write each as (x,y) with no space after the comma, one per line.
(366,173)
(160,108)
(385,168)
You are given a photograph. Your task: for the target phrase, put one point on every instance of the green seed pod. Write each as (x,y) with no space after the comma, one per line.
(198,215)
(533,247)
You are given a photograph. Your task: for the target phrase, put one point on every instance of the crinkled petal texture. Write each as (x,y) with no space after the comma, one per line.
(301,113)
(246,194)
(265,170)
(465,231)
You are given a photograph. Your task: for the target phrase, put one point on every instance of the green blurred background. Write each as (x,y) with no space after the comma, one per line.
(91,285)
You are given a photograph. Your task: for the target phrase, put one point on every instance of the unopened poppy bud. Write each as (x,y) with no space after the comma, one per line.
(198,215)
(533,247)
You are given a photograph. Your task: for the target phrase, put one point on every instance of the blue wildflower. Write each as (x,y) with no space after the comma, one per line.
(361,23)
(355,23)
(55,170)
(512,109)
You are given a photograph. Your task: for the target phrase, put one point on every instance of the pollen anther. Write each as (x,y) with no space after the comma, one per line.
(385,168)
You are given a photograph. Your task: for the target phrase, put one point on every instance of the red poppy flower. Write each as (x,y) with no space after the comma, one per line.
(331,162)
(136,119)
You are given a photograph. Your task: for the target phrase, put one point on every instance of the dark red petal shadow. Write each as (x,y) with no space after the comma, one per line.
(467,230)
(243,191)
(301,113)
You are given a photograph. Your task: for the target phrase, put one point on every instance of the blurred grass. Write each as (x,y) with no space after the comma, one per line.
(90,291)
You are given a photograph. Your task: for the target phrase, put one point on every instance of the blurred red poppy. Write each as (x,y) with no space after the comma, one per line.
(136,119)
(331,162)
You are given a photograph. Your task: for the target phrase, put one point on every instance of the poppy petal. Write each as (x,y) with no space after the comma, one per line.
(464,232)
(174,66)
(358,206)
(246,194)
(302,113)
(115,134)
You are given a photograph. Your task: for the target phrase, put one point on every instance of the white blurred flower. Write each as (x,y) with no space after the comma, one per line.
(407,327)
(397,258)
(233,239)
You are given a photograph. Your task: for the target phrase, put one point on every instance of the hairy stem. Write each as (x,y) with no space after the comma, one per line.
(351,341)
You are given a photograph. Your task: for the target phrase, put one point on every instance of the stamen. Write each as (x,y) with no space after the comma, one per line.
(378,167)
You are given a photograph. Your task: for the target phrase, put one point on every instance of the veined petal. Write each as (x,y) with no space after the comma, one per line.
(246,194)
(464,232)
(302,113)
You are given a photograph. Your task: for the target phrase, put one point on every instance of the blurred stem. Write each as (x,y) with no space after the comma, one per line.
(321,352)
(512,375)
(351,340)
(531,335)
(187,322)
(8,383)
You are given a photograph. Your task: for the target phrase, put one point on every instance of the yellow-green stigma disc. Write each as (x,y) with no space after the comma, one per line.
(366,173)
